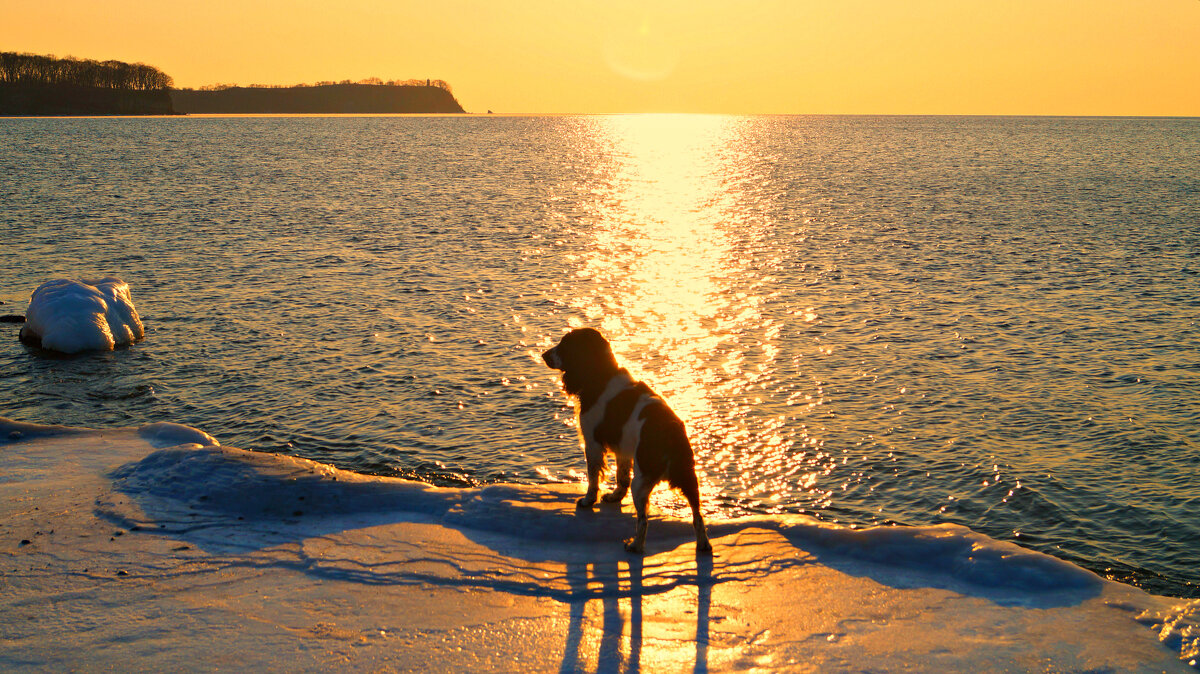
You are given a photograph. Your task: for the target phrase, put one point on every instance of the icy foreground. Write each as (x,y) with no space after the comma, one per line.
(157,549)
(74,316)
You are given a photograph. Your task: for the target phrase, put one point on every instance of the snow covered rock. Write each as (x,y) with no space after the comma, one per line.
(73,316)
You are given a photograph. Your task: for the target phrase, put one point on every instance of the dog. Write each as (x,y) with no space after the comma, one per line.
(618,414)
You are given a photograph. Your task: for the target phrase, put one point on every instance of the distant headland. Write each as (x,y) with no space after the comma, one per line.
(37,85)
(371,96)
(31,84)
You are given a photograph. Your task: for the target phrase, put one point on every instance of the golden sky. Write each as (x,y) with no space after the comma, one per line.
(1055,57)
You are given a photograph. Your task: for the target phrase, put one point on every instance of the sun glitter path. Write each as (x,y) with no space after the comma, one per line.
(155,549)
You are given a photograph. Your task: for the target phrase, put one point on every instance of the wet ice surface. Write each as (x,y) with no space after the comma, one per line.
(198,555)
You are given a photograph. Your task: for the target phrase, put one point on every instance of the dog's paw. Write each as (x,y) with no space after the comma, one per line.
(612,496)
(585,502)
(631,546)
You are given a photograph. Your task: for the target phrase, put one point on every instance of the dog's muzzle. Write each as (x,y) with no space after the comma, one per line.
(552,359)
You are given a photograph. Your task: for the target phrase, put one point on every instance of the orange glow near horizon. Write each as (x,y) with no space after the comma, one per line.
(1056,57)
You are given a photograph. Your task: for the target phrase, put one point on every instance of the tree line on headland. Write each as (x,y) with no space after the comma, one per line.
(34,69)
(36,85)
(440,84)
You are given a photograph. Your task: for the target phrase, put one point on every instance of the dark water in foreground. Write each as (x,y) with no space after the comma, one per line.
(991,322)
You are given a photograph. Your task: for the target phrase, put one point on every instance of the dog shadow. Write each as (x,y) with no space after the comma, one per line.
(616,590)
(603,584)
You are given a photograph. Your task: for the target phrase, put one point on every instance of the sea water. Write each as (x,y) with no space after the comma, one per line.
(873,320)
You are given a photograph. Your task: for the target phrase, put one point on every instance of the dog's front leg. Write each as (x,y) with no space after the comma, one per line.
(594,453)
(624,469)
(641,503)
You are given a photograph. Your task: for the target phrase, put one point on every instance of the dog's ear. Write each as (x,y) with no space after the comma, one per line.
(587,358)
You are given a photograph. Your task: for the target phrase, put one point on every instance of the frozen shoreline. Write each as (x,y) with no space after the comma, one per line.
(155,548)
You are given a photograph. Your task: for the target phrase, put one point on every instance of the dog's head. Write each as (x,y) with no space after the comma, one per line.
(584,357)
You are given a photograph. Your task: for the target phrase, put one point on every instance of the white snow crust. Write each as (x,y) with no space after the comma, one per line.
(73,316)
(157,549)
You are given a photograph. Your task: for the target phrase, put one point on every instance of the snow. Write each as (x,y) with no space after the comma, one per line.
(73,316)
(166,434)
(156,548)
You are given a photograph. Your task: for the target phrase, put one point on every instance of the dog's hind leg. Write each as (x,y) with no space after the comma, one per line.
(624,474)
(693,499)
(685,481)
(641,503)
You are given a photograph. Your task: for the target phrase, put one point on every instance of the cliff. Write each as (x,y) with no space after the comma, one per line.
(317,99)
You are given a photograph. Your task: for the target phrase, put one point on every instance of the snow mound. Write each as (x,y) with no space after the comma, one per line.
(165,434)
(74,316)
(254,486)
(950,551)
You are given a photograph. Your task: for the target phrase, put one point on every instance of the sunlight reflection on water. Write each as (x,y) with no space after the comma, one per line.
(679,299)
